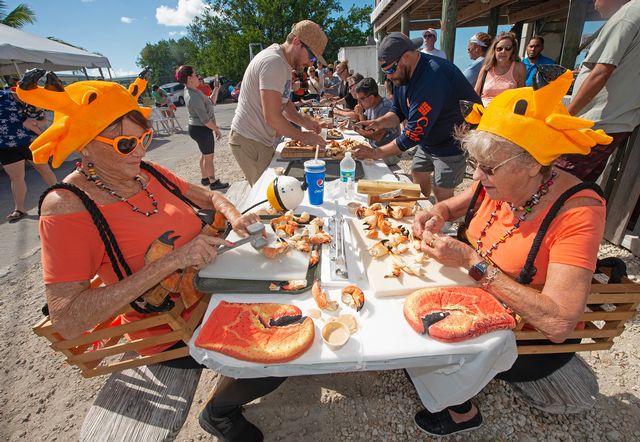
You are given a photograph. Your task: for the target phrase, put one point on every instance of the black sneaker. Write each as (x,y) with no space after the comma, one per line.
(441,423)
(205,181)
(232,427)
(218,185)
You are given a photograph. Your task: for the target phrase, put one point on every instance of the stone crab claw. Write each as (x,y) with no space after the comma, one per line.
(353,296)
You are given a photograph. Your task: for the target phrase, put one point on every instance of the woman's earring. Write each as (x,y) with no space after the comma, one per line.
(93,175)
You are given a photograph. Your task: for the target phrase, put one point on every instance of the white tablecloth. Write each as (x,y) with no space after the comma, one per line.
(444,374)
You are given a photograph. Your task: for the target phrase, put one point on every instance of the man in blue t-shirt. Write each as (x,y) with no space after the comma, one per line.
(427,94)
(534,58)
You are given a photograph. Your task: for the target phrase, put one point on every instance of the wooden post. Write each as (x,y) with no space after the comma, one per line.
(379,37)
(573,32)
(494,18)
(405,22)
(448,27)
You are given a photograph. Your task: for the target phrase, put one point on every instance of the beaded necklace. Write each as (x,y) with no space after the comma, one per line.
(526,209)
(92,177)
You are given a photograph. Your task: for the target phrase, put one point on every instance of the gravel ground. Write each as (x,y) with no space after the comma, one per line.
(41,398)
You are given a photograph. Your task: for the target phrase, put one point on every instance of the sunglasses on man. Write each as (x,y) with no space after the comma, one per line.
(125,144)
(312,58)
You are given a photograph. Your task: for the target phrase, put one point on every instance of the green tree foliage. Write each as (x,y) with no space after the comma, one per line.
(18,17)
(223,33)
(165,56)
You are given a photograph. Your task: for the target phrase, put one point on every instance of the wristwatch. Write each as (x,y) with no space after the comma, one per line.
(478,270)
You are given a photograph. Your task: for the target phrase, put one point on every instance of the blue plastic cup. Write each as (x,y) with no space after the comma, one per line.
(314,171)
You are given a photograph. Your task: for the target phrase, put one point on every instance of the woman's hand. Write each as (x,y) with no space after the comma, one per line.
(448,251)
(427,221)
(241,223)
(199,252)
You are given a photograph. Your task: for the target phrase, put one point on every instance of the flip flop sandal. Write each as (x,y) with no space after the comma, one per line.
(16,215)
(218,185)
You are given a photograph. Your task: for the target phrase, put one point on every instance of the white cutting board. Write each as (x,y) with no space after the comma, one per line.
(433,274)
(245,262)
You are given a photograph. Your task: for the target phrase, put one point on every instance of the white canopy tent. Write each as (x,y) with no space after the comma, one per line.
(20,51)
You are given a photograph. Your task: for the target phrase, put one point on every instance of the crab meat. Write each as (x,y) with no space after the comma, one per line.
(395,272)
(277,249)
(295,284)
(320,297)
(303,218)
(314,258)
(353,296)
(320,238)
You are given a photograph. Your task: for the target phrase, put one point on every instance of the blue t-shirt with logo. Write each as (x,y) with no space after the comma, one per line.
(531,68)
(12,114)
(430,103)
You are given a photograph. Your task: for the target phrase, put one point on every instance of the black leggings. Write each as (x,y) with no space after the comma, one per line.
(204,137)
(232,393)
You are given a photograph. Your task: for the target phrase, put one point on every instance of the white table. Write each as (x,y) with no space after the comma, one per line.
(444,374)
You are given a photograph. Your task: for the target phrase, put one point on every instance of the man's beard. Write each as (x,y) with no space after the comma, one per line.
(404,78)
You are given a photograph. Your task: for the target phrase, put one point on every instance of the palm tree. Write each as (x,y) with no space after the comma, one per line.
(20,16)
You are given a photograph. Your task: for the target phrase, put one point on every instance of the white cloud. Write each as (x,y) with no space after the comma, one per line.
(87,1)
(127,20)
(182,15)
(176,33)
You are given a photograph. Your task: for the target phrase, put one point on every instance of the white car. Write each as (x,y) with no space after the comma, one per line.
(175,92)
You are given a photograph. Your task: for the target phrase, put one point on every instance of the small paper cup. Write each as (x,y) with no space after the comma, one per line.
(335,334)
(353,206)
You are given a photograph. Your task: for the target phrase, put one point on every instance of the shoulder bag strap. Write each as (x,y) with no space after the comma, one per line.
(529,270)
(110,244)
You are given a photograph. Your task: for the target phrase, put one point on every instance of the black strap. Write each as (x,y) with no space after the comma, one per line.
(529,270)
(118,263)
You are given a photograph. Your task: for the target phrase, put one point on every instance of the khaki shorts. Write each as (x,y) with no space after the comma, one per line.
(252,157)
(448,172)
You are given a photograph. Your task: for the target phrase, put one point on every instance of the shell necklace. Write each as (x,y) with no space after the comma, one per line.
(92,177)
(526,210)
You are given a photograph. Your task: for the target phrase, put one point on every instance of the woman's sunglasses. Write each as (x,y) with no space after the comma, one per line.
(503,48)
(487,170)
(125,144)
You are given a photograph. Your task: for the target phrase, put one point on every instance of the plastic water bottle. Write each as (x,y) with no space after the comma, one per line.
(348,176)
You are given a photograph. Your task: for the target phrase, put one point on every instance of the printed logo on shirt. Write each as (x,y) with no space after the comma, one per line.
(423,121)
(287,91)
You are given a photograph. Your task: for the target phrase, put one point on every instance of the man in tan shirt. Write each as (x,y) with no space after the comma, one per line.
(265,111)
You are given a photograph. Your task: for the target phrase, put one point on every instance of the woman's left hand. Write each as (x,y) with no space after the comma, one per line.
(448,251)
(241,223)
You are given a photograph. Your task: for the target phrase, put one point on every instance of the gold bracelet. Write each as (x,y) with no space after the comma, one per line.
(488,279)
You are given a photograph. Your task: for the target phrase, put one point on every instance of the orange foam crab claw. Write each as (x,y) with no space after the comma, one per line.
(472,112)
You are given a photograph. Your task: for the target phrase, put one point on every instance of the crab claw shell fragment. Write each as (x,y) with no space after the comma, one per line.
(455,313)
(353,297)
(320,297)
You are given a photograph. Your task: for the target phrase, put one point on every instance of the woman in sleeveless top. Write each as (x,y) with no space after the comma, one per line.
(511,153)
(502,69)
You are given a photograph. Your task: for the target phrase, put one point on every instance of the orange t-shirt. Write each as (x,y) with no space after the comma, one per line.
(73,251)
(572,238)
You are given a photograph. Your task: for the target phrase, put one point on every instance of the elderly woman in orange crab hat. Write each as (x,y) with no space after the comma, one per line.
(525,223)
(132,223)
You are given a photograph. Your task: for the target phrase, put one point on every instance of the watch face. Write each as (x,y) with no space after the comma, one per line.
(477,271)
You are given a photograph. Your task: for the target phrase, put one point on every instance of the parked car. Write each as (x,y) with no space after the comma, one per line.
(226,87)
(175,92)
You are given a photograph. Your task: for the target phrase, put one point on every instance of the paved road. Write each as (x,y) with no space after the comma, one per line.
(21,239)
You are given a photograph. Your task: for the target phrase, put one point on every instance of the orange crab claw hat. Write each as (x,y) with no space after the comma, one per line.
(81,110)
(535,119)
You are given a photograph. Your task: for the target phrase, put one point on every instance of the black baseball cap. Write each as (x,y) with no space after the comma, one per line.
(394,45)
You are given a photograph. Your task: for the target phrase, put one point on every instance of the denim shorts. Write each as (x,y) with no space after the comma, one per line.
(448,172)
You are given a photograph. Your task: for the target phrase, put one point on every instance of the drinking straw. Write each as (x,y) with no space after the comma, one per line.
(317,150)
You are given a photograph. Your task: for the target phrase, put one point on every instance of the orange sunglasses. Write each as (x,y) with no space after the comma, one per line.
(125,144)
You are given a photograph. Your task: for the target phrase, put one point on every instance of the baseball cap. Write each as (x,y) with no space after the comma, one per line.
(394,45)
(312,35)
(430,31)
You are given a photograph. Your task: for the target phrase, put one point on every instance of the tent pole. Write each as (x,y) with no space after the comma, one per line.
(17,68)
(101,74)
(85,73)
(109,71)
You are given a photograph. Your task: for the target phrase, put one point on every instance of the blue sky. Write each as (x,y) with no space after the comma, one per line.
(119,29)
